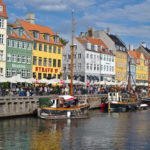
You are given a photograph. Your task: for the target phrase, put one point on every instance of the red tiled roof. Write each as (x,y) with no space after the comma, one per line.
(14,35)
(95,41)
(4,12)
(28,27)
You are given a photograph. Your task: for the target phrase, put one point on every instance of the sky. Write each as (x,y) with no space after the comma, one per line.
(129,19)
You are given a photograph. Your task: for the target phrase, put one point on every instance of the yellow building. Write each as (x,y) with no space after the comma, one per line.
(141,68)
(121,66)
(47,50)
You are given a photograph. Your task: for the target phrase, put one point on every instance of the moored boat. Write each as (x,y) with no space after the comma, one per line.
(63,107)
(117,103)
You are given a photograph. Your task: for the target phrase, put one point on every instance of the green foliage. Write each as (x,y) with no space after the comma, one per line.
(63,41)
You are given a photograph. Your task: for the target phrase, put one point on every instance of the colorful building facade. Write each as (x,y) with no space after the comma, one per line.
(141,68)
(46,52)
(19,53)
(3,36)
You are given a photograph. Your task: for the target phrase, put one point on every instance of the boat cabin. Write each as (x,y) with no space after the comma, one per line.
(114,96)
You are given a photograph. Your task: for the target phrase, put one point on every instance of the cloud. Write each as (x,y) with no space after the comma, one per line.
(51,5)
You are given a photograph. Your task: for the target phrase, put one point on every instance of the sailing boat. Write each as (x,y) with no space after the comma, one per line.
(64,106)
(123,102)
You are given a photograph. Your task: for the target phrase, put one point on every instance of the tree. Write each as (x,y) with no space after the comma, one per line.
(63,41)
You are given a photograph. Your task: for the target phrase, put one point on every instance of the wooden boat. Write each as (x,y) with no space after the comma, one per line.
(63,107)
(118,103)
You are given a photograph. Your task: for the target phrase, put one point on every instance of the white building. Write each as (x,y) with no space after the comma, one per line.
(92,60)
(3,36)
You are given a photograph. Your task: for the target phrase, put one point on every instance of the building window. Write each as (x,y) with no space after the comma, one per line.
(69,56)
(64,67)
(59,63)
(13,58)
(91,67)
(59,50)
(1,39)
(1,8)
(24,59)
(49,62)
(8,72)
(36,34)
(23,73)
(40,61)
(54,62)
(9,43)
(50,48)
(40,47)
(8,57)
(79,66)
(29,46)
(46,37)
(87,56)
(91,56)
(34,46)
(1,23)
(74,66)
(19,44)
(28,60)
(19,59)
(45,61)
(24,45)
(34,60)
(45,48)
(87,66)
(64,57)
(101,67)
(79,56)
(54,49)
(14,72)
(39,75)
(94,66)
(1,55)
(1,71)
(97,67)
(44,75)
(28,73)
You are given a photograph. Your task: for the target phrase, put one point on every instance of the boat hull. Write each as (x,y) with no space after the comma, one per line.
(123,106)
(64,113)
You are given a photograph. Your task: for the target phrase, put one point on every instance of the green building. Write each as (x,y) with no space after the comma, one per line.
(18,52)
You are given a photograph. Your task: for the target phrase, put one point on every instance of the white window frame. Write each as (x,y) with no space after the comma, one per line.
(28,60)
(19,59)
(1,55)
(1,22)
(13,58)
(1,39)
(24,59)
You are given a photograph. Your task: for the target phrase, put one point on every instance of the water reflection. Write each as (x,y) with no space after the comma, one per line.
(112,131)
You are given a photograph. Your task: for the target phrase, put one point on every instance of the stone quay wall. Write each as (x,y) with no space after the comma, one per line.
(18,106)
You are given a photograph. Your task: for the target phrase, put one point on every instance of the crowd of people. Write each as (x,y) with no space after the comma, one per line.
(40,90)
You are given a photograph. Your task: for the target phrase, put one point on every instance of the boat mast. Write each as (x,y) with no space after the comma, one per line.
(72,48)
(129,77)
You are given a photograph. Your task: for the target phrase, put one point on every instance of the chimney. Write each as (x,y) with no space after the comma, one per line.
(30,17)
(91,32)
(144,44)
(108,31)
(131,47)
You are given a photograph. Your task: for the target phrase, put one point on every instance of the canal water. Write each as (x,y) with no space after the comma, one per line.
(102,131)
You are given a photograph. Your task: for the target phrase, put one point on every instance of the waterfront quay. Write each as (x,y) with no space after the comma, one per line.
(26,105)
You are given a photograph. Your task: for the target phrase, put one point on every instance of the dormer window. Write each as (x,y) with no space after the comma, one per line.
(21,32)
(56,38)
(1,8)
(9,30)
(46,37)
(36,34)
